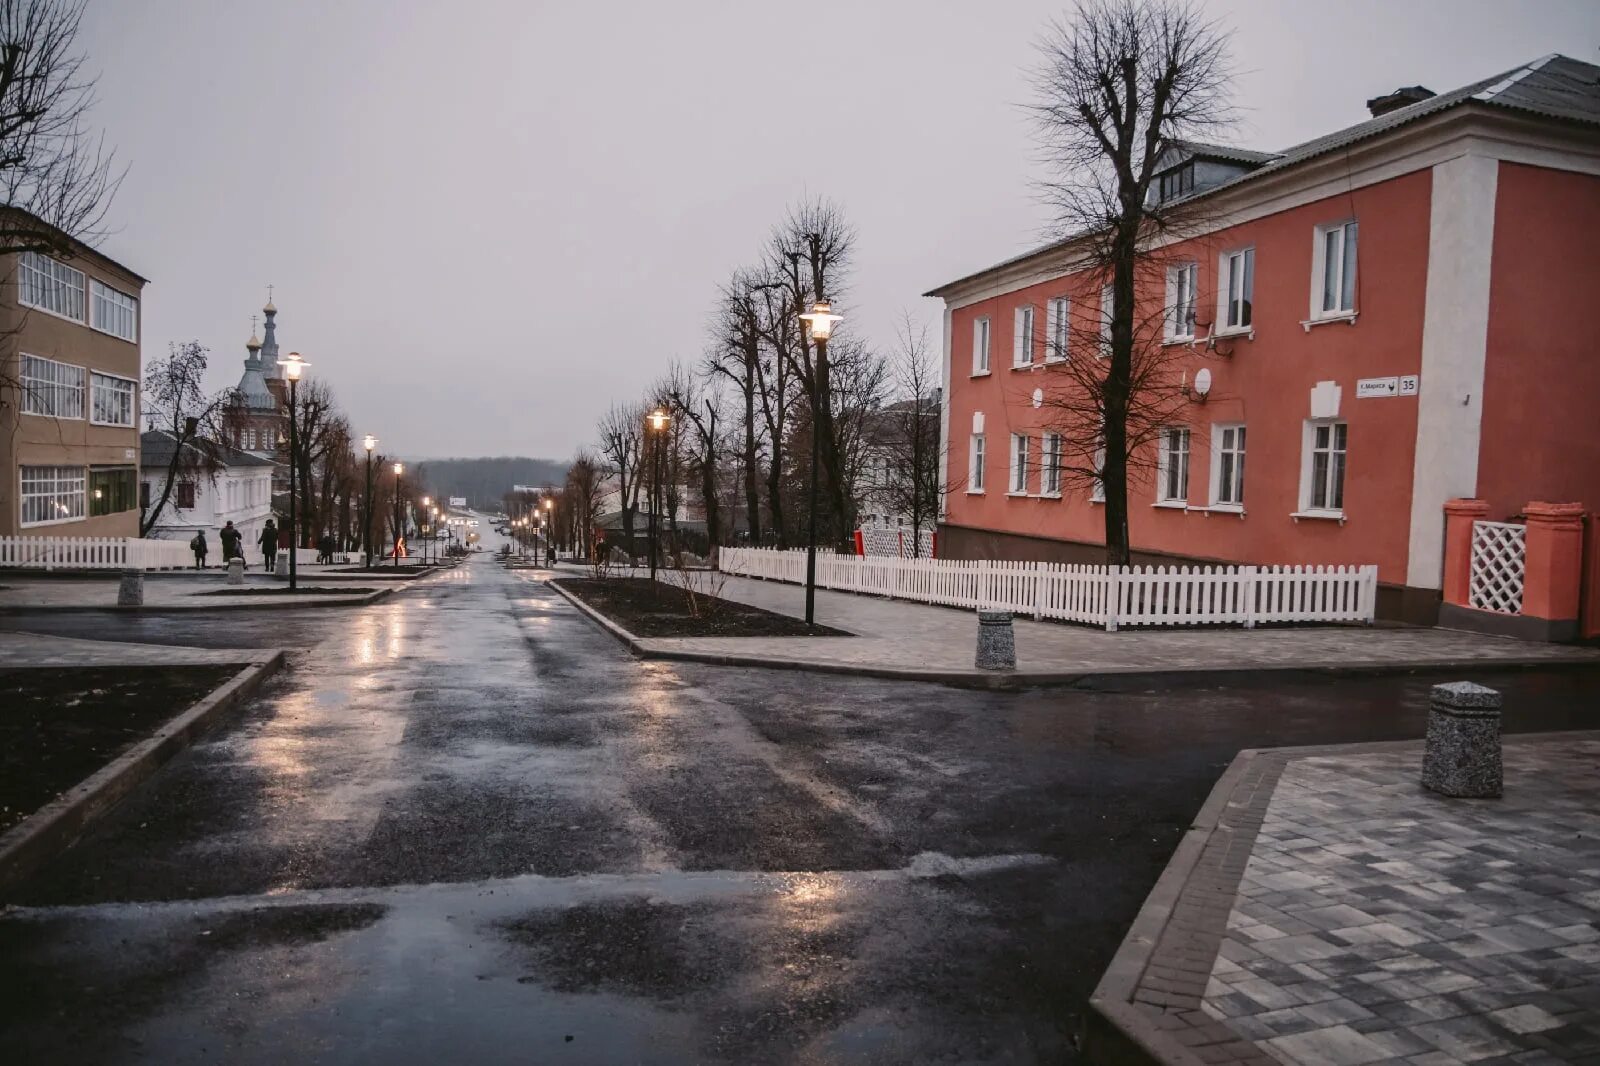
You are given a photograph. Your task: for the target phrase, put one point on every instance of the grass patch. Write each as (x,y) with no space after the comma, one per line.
(648,608)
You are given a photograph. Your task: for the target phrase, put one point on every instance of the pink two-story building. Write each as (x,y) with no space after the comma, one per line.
(1391,316)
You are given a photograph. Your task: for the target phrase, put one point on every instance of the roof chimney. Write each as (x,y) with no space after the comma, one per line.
(1403,97)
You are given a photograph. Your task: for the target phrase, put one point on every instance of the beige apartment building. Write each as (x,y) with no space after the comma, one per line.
(69,393)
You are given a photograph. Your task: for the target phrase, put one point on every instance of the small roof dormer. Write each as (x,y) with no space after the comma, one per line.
(1188,167)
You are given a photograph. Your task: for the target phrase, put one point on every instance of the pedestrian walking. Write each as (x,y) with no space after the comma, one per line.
(325,548)
(198,546)
(231,540)
(269,547)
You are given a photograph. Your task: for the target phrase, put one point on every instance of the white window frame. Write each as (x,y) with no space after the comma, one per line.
(1097,491)
(975,464)
(1339,459)
(122,308)
(48,285)
(40,394)
(1181,281)
(1228,441)
(67,493)
(96,377)
(1019,465)
(1242,261)
(1108,295)
(1174,445)
(1345,275)
(1058,329)
(1050,466)
(1022,338)
(982,337)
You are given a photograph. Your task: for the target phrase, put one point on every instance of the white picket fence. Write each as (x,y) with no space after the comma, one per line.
(93,553)
(1096,595)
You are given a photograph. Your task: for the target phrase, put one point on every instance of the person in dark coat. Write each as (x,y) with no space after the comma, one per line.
(231,539)
(269,546)
(198,546)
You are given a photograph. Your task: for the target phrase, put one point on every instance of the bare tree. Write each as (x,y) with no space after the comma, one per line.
(811,248)
(909,435)
(320,429)
(581,499)
(700,405)
(57,177)
(1119,82)
(736,355)
(175,403)
(622,443)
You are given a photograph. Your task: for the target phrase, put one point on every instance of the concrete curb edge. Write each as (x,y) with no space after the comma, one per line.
(57,825)
(1007,681)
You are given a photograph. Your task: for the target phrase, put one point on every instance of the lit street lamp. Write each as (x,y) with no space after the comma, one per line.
(821,319)
(370,443)
(399,515)
(549,526)
(427,502)
(658,421)
(293,367)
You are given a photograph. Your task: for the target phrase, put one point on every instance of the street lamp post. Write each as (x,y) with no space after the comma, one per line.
(549,527)
(427,502)
(399,515)
(658,421)
(293,367)
(821,319)
(435,530)
(370,443)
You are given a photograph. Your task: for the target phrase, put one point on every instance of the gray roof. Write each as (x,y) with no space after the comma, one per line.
(1225,152)
(253,391)
(156,447)
(1555,87)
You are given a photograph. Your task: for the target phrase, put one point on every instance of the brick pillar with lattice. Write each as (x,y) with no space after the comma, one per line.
(1554,567)
(1459,515)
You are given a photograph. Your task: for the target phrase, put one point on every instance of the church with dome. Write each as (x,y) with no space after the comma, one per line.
(259,419)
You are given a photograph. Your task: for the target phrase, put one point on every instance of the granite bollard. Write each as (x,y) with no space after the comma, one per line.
(1461,758)
(997,642)
(130,591)
(236,571)
(280,567)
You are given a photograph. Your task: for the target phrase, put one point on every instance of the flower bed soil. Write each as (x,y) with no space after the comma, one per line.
(306,590)
(653,609)
(58,726)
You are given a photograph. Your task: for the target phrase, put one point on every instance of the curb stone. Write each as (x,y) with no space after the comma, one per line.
(57,825)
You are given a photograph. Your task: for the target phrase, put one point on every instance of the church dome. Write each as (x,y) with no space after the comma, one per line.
(270,309)
(254,343)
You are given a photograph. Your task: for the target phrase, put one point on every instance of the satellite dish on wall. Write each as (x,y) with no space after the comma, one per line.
(1202,381)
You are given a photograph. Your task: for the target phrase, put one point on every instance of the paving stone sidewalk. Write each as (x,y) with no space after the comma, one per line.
(895,637)
(175,592)
(1338,915)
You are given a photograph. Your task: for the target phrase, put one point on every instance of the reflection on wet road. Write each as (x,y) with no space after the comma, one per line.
(466,826)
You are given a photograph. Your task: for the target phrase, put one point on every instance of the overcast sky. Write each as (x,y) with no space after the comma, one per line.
(489,219)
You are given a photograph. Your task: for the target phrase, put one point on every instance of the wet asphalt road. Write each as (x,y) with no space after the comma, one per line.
(466,826)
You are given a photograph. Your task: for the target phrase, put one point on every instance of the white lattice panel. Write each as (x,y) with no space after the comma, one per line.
(1499,562)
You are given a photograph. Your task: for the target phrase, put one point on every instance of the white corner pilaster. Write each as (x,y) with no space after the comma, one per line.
(1455,333)
(944,418)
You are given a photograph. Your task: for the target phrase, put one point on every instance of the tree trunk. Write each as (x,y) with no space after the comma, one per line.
(752,498)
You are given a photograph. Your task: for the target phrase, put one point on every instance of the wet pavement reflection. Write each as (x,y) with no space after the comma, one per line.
(465,825)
